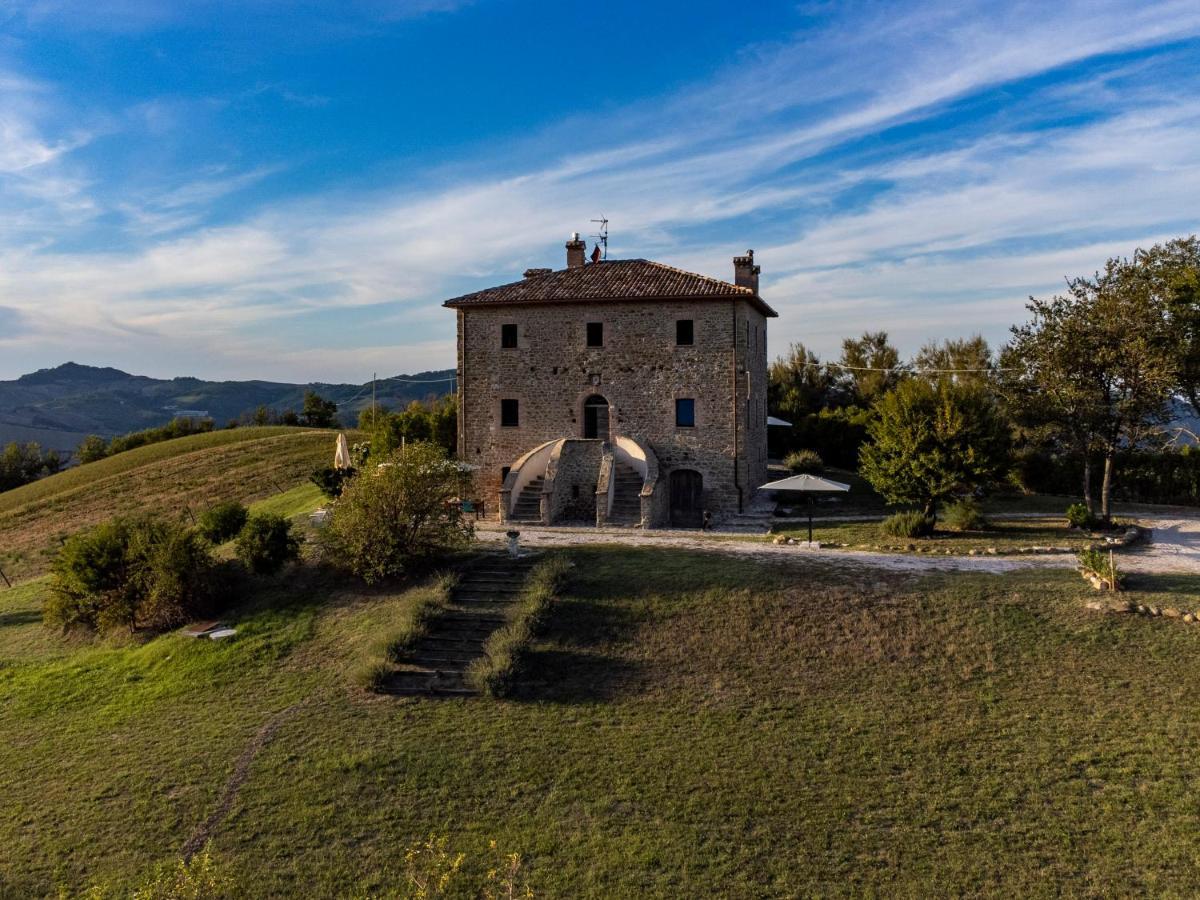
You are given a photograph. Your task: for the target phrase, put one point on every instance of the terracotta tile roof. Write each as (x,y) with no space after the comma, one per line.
(617,279)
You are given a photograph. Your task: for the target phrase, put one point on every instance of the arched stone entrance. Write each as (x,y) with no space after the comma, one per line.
(595,418)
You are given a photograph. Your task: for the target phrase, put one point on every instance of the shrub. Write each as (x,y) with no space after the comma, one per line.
(802,461)
(496,672)
(401,513)
(222,522)
(964,515)
(908,525)
(1079,517)
(932,442)
(266,543)
(1097,563)
(130,573)
(372,675)
(331,481)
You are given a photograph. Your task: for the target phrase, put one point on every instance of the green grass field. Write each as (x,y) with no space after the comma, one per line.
(176,478)
(690,726)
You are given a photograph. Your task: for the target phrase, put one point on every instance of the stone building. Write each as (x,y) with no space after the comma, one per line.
(617,391)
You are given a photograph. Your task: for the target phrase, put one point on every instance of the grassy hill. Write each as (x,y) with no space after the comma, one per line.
(176,478)
(688,726)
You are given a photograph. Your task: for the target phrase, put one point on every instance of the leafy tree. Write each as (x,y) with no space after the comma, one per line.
(971,356)
(134,574)
(797,384)
(222,521)
(289,417)
(21,464)
(92,449)
(1096,367)
(266,543)
(318,412)
(871,367)
(401,513)
(262,416)
(932,442)
(1171,273)
(53,462)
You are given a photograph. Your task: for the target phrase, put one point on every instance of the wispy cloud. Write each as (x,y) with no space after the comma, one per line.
(943,227)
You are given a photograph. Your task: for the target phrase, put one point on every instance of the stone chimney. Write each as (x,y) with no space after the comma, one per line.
(576,251)
(745,272)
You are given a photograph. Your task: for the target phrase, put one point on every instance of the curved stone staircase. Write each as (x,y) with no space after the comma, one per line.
(529,502)
(627,496)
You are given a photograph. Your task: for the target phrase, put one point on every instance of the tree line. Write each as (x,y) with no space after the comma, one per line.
(1095,374)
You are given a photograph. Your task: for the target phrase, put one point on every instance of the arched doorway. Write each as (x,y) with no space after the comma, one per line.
(687,498)
(595,418)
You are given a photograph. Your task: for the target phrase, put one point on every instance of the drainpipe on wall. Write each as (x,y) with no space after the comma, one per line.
(737,478)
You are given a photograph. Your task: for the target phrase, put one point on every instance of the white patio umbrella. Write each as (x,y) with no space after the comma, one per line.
(341,456)
(778,423)
(809,484)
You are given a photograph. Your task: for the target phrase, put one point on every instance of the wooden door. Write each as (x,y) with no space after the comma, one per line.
(687,498)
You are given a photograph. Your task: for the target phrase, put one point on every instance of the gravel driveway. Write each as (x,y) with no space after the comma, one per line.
(1174,546)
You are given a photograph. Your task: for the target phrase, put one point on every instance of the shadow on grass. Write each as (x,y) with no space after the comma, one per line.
(1163,583)
(570,663)
(23,617)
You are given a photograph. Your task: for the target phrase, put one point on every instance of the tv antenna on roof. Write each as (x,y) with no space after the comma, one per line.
(602,235)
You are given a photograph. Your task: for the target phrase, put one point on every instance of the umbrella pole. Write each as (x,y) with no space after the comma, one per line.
(810,519)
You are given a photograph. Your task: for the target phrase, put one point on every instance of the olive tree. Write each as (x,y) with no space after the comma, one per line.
(401,512)
(930,442)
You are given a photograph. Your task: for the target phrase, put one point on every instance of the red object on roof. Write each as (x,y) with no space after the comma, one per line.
(612,279)
(596,254)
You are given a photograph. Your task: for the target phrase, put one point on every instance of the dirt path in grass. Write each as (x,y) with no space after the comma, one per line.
(241,771)
(1174,546)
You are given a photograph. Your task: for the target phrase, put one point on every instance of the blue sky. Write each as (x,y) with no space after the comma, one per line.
(289,190)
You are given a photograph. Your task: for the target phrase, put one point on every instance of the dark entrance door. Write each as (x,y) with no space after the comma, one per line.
(687,498)
(595,418)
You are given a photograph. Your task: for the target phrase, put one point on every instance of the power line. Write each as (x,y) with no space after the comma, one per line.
(903,369)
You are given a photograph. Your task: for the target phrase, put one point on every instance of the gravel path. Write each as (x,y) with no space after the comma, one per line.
(1174,547)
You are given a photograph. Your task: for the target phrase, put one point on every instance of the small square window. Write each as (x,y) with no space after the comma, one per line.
(508,336)
(685,413)
(684,332)
(509,416)
(595,334)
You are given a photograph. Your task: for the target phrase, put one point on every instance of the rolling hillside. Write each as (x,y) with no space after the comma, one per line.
(58,407)
(179,477)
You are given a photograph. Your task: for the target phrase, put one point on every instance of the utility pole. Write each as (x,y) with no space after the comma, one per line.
(374,424)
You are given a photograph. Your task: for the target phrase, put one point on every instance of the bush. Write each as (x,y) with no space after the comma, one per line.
(908,525)
(1079,517)
(496,672)
(266,543)
(372,675)
(134,574)
(964,515)
(802,461)
(332,481)
(222,522)
(401,513)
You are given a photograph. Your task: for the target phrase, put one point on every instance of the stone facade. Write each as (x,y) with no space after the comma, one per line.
(639,370)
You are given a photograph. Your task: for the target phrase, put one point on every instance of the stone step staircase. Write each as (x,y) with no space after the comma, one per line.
(529,502)
(437,665)
(627,496)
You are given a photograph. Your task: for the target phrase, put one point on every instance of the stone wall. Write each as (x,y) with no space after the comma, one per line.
(571,482)
(640,372)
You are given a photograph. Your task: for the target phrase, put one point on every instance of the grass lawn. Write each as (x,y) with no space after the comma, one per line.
(168,478)
(1004,536)
(689,726)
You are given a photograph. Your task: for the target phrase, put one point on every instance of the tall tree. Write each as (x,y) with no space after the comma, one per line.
(1096,367)
(970,360)
(318,412)
(871,367)
(797,384)
(1171,272)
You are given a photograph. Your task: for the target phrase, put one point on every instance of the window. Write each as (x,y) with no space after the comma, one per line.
(685,413)
(685,334)
(595,334)
(508,336)
(509,416)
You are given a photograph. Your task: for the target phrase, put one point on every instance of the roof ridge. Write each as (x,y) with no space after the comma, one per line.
(676,269)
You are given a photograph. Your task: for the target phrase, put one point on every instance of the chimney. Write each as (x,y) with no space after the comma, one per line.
(745,272)
(575,251)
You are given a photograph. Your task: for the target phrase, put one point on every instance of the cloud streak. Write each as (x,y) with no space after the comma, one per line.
(837,153)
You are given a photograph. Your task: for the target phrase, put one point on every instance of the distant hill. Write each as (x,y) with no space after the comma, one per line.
(58,407)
